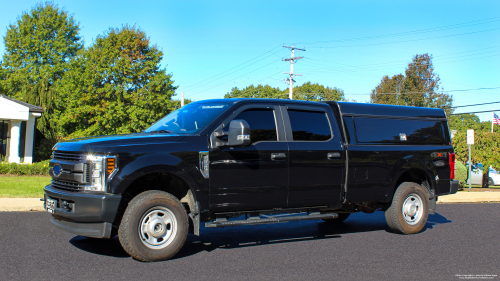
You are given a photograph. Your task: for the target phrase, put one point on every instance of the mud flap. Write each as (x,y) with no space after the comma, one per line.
(195,219)
(431,194)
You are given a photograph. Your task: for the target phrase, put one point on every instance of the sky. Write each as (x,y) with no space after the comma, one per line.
(210,47)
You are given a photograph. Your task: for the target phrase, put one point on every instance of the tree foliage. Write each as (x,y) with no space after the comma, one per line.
(316,92)
(485,149)
(463,122)
(116,86)
(37,47)
(263,92)
(418,87)
(307,91)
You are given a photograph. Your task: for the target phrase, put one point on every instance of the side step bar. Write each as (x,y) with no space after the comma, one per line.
(254,221)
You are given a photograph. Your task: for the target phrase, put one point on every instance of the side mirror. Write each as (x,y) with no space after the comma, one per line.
(239,133)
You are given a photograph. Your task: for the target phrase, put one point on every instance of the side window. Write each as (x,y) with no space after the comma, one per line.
(309,125)
(262,124)
(379,130)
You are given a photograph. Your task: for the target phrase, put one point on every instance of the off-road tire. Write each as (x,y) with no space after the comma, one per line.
(399,215)
(341,218)
(139,210)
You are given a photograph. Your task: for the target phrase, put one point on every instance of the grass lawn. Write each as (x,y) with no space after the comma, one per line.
(23,186)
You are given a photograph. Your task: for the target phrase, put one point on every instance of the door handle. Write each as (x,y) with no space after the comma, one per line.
(333,155)
(278,156)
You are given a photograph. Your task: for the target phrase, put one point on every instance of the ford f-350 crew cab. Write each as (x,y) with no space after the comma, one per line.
(237,162)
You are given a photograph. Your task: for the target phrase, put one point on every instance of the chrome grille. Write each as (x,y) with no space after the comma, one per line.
(67,185)
(68,156)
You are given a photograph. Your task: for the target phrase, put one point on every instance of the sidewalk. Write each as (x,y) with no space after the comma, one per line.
(35,205)
(21,205)
(470,197)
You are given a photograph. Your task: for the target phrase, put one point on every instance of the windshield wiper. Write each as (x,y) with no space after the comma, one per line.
(161,131)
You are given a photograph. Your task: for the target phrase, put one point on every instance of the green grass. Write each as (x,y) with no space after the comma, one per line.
(23,186)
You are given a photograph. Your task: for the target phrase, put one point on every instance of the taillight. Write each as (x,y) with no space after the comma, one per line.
(452,166)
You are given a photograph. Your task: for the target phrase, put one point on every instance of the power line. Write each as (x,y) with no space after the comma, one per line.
(462,90)
(231,79)
(413,40)
(475,104)
(473,112)
(193,85)
(434,29)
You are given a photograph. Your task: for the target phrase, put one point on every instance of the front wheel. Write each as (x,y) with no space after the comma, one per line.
(409,209)
(491,182)
(154,226)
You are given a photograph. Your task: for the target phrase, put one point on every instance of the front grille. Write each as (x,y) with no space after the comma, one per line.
(67,185)
(68,156)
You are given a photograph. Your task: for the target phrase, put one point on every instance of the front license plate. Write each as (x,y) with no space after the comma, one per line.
(50,205)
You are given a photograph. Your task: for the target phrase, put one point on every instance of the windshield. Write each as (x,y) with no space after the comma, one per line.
(189,119)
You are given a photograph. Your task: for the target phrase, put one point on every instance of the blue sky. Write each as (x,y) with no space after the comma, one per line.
(213,46)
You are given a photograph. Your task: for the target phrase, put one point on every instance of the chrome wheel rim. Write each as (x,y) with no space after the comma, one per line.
(158,227)
(412,209)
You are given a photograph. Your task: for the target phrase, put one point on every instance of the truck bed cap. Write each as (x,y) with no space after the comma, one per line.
(366,109)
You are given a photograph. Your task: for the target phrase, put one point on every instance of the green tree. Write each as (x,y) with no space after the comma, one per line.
(316,92)
(264,92)
(306,91)
(418,87)
(463,122)
(37,47)
(116,86)
(485,149)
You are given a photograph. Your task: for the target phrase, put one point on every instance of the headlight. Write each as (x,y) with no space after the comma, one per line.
(102,168)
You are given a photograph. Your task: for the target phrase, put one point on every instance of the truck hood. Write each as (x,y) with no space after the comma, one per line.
(102,143)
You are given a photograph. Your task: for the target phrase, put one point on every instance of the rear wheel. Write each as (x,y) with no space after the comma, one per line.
(491,182)
(409,209)
(154,226)
(342,217)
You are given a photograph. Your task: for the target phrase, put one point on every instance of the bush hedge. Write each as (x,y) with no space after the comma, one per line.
(35,169)
(460,173)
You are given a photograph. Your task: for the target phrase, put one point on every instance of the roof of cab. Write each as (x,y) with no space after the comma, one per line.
(355,108)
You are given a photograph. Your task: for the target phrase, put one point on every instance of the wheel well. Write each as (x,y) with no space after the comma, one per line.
(412,175)
(157,181)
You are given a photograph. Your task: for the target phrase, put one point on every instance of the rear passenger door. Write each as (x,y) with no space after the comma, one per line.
(316,167)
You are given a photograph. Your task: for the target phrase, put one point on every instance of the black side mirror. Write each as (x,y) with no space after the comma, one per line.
(239,133)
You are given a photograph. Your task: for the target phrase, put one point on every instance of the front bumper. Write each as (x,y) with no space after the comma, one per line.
(85,214)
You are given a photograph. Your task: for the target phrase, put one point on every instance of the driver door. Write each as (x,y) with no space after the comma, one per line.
(254,176)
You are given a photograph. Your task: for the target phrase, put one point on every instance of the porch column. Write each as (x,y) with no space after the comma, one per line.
(15,129)
(28,140)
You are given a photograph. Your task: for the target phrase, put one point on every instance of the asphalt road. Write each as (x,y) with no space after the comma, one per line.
(461,239)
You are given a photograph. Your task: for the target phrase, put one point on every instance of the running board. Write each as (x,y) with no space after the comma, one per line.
(252,221)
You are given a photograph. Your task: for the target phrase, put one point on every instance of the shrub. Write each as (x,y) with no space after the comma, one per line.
(39,168)
(460,173)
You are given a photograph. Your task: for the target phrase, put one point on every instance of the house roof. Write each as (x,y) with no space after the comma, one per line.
(32,108)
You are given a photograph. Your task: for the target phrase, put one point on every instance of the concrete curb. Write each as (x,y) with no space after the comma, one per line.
(35,205)
(21,205)
(470,197)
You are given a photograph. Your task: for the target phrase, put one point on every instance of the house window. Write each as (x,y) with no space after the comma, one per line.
(4,136)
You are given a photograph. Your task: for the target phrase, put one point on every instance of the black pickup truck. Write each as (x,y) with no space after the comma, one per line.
(237,162)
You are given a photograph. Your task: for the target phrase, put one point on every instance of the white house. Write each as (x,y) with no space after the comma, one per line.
(17,129)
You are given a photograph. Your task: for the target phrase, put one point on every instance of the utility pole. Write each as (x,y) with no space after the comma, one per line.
(182,98)
(292,59)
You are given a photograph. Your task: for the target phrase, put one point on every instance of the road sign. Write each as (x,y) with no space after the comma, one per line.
(470,136)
